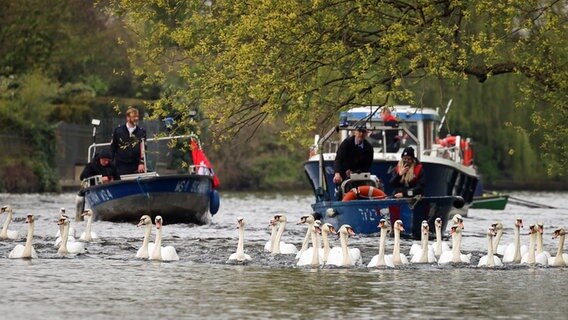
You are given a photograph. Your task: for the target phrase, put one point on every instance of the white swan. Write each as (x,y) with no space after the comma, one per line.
(146,247)
(72,231)
(515,250)
(273,229)
(314,254)
(498,248)
(240,255)
(490,260)
(27,251)
(425,253)
(380,260)
(530,256)
(344,256)
(455,255)
(88,235)
(397,257)
(278,246)
(441,246)
(561,259)
(540,242)
(326,229)
(5,233)
(66,246)
(309,220)
(162,253)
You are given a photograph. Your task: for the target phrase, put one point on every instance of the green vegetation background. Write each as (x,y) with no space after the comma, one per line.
(67,61)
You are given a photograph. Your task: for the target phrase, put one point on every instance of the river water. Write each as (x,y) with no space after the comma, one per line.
(108,282)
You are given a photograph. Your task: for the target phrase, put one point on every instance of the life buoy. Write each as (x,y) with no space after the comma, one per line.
(364,192)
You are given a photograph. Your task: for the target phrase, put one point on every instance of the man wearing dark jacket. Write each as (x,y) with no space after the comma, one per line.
(355,154)
(101,165)
(127,145)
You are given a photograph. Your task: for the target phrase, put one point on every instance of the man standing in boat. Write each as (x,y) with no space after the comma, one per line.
(408,177)
(355,154)
(127,145)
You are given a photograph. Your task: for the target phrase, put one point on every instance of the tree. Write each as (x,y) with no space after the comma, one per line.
(244,63)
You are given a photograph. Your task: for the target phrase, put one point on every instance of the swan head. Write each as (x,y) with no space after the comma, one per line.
(497,226)
(425,228)
(5,209)
(382,224)
(438,223)
(317,226)
(158,221)
(280,218)
(144,220)
(61,211)
(540,227)
(30,218)
(491,232)
(558,232)
(398,225)
(532,228)
(519,223)
(455,229)
(328,228)
(457,219)
(87,213)
(63,220)
(308,218)
(240,222)
(347,229)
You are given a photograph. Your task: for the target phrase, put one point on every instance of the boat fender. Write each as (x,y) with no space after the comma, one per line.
(330,212)
(459,202)
(364,192)
(214,202)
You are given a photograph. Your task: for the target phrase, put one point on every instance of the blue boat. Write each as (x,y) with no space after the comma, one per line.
(179,198)
(451,178)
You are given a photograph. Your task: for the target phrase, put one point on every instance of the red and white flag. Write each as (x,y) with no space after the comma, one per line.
(200,159)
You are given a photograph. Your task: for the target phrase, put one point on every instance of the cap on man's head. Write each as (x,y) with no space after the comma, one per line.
(408,152)
(105,154)
(361,127)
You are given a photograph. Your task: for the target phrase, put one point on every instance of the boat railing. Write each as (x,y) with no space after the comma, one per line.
(201,170)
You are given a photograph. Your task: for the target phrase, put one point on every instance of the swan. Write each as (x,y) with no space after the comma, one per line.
(146,247)
(66,246)
(498,248)
(8,234)
(440,245)
(72,232)
(280,247)
(530,256)
(326,229)
(273,226)
(309,220)
(162,253)
(561,259)
(457,219)
(490,260)
(344,256)
(515,251)
(455,255)
(425,253)
(88,235)
(240,255)
(314,254)
(28,250)
(397,257)
(540,242)
(380,260)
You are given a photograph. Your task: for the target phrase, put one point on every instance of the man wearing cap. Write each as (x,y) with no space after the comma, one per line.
(101,165)
(355,154)
(408,177)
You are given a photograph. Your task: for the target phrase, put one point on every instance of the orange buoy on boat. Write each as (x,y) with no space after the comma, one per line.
(364,192)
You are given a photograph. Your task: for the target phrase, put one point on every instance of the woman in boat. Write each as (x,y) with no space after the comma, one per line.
(408,177)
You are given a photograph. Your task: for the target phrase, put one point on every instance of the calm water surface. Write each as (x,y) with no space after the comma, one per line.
(109,283)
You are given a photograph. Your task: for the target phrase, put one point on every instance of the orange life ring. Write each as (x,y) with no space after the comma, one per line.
(364,192)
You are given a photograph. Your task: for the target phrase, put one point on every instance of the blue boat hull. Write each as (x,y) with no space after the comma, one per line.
(177,198)
(364,215)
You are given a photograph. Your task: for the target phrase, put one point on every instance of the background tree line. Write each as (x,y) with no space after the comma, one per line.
(71,61)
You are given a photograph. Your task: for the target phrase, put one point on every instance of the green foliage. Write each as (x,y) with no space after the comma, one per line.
(244,63)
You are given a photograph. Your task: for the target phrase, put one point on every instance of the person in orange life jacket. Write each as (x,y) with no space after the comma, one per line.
(126,145)
(392,138)
(408,177)
(355,154)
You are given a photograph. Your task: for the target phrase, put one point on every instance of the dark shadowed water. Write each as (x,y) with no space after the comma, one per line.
(108,282)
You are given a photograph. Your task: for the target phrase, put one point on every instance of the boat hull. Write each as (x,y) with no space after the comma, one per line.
(364,215)
(177,198)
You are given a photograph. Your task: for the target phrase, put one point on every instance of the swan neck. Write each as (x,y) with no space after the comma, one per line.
(345,250)
(382,245)
(315,251)
(539,243)
(560,246)
(157,253)
(88,227)
(241,243)
(4,233)
(276,242)
(532,247)
(517,257)
(438,241)
(325,241)
(490,257)
(28,247)
(456,253)
(497,239)
(64,237)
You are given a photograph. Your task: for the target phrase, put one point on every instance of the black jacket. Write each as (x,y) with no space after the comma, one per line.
(125,147)
(415,187)
(349,156)
(94,168)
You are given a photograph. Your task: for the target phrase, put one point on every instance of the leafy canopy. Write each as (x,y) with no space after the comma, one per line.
(246,62)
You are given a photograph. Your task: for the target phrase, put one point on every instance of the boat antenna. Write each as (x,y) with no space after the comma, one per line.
(444,117)
(95,123)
